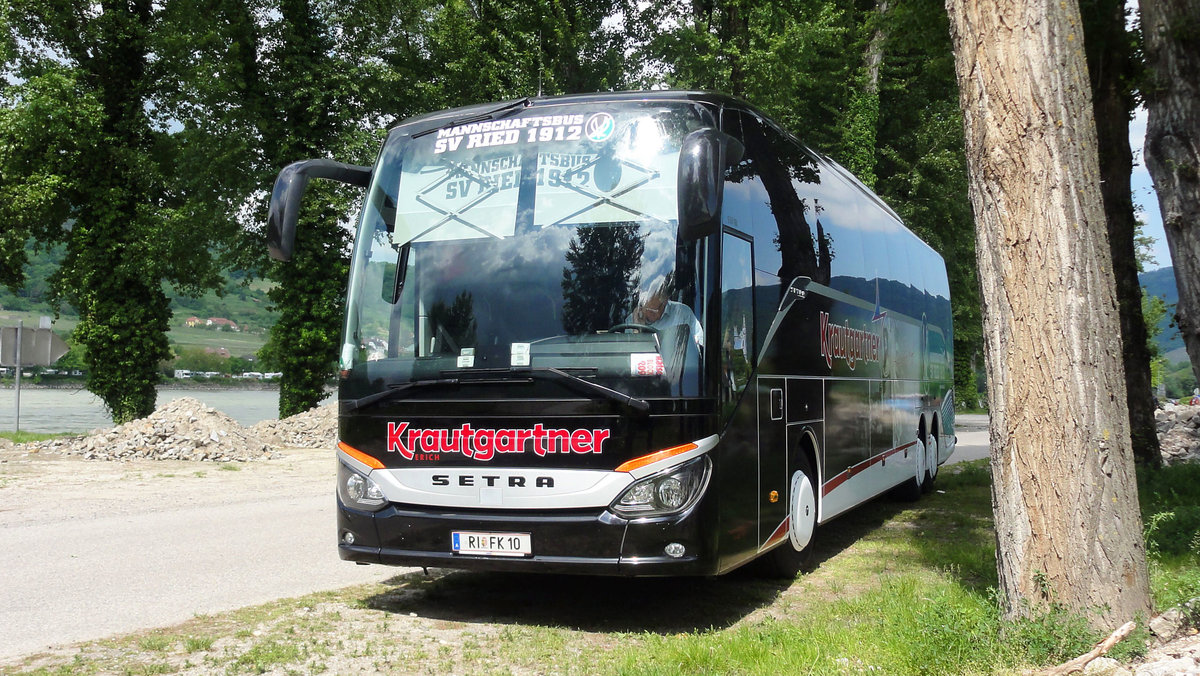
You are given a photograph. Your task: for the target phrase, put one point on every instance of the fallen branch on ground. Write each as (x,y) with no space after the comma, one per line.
(1102,647)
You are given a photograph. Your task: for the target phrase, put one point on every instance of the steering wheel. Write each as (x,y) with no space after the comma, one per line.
(640,327)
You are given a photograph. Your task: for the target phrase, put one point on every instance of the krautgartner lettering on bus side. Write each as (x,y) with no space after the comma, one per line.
(839,341)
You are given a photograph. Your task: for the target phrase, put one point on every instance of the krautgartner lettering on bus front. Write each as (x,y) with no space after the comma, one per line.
(839,341)
(484,443)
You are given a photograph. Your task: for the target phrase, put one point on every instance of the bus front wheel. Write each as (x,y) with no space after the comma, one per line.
(795,554)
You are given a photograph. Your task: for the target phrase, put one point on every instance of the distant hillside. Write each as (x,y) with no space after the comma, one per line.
(247,306)
(1161,282)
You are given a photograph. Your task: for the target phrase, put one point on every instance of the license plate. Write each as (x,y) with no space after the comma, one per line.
(491,544)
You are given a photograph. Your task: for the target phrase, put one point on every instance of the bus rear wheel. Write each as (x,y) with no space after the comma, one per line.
(911,490)
(795,554)
(931,462)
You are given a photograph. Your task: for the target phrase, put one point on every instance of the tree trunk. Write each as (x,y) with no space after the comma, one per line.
(1172,34)
(862,131)
(873,59)
(1110,65)
(1068,529)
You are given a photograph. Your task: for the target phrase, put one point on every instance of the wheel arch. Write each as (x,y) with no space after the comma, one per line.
(809,447)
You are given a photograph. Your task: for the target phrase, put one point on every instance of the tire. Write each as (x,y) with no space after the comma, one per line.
(795,554)
(911,490)
(931,462)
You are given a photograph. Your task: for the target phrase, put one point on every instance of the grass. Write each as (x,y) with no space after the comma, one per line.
(194,644)
(26,437)
(238,343)
(261,657)
(1170,499)
(899,589)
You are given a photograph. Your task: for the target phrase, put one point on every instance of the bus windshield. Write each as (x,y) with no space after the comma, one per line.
(542,239)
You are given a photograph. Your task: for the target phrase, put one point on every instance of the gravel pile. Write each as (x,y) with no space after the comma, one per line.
(183,429)
(1178,433)
(315,428)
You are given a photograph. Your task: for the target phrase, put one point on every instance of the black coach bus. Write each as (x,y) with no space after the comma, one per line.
(633,334)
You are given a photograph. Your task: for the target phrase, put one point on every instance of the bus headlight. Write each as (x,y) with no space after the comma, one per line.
(358,491)
(667,492)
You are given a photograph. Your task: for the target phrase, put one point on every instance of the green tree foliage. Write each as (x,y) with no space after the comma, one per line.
(86,163)
(258,85)
(262,83)
(75,358)
(310,100)
(139,136)
(922,166)
(200,359)
(1154,309)
(797,61)
(1180,381)
(870,84)
(33,293)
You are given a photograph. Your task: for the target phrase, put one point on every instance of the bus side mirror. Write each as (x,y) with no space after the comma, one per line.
(702,159)
(289,191)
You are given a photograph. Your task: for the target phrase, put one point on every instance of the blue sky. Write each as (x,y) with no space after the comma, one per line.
(1143,193)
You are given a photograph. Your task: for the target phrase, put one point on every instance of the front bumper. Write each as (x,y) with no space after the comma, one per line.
(589,542)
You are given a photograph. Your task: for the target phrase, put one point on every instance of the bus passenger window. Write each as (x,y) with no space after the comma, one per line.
(737,319)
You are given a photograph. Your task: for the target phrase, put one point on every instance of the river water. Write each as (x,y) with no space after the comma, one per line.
(77,410)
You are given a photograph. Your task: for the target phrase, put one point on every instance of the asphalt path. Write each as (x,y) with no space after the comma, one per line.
(90,550)
(972,433)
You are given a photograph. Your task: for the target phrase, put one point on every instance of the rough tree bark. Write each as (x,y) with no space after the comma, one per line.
(1111,68)
(1068,529)
(1171,29)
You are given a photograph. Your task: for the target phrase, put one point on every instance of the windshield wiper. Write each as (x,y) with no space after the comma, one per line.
(478,117)
(640,405)
(489,378)
(394,391)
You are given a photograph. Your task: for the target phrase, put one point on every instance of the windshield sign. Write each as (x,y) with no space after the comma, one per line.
(466,181)
(536,241)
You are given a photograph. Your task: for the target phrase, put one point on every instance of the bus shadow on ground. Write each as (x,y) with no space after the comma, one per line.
(589,603)
(843,532)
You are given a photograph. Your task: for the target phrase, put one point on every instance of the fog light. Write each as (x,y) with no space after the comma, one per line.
(348,537)
(674,550)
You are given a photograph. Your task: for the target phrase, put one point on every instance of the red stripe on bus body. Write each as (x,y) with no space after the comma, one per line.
(861,467)
(779,534)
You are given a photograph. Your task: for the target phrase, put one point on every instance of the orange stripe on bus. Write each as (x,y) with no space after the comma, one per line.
(358,455)
(631,465)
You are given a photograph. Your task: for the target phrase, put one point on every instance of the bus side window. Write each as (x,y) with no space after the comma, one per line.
(762,190)
(737,319)
(744,194)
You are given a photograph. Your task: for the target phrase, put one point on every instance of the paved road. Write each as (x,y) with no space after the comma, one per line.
(972,432)
(89,550)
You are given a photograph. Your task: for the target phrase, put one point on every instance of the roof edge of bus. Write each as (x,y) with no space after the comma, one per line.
(431,120)
(630,95)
